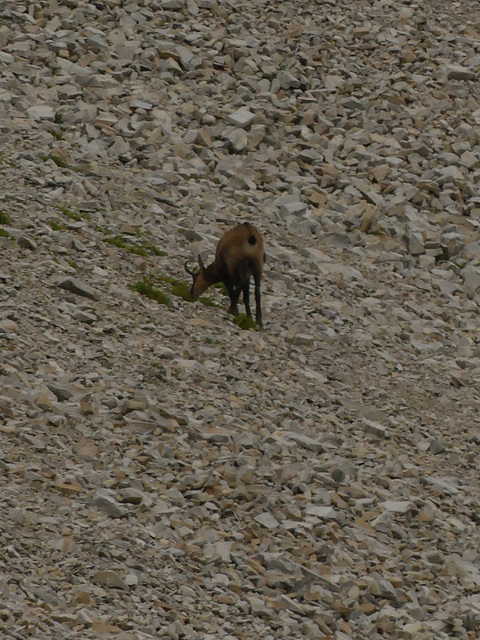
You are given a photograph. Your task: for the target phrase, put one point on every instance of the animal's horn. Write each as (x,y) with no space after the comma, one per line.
(189,271)
(200,263)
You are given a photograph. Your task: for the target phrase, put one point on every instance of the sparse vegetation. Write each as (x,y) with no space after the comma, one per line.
(6,234)
(59,161)
(181,290)
(56,226)
(245,322)
(72,263)
(208,302)
(146,288)
(74,215)
(4,219)
(145,248)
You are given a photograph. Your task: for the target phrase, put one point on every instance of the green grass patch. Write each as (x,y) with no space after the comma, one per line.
(145,248)
(221,287)
(151,248)
(121,243)
(5,234)
(245,322)
(181,290)
(72,263)
(4,219)
(58,135)
(146,288)
(209,340)
(73,215)
(208,302)
(59,161)
(56,226)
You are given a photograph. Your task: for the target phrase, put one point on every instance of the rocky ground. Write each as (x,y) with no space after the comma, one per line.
(163,473)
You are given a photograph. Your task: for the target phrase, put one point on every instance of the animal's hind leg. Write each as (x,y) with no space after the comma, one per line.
(257,276)
(246,296)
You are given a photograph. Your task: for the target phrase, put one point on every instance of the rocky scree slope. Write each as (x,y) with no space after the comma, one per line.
(164,473)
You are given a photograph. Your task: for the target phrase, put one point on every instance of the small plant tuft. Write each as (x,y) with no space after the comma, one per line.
(6,234)
(245,322)
(4,219)
(58,118)
(208,302)
(72,263)
(56,226)
(73,215)
(59,161)
(144,249)
(181,290)
(146,288)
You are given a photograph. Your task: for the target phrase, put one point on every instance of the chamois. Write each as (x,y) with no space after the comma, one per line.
(238,256)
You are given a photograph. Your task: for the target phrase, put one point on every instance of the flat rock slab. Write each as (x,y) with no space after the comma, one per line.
(241,118)
(78,287)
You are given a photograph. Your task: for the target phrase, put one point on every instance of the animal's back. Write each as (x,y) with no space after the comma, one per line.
(243,241)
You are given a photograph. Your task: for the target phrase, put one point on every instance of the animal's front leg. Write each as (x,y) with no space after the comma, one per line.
(234,293)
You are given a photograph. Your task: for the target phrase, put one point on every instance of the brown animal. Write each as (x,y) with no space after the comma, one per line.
(239,255)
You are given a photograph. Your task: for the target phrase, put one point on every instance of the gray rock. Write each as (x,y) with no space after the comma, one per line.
(78,287)
(241,118)
(109,506)
(457,72)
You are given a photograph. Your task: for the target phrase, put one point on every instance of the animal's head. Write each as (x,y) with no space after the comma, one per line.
(200,283)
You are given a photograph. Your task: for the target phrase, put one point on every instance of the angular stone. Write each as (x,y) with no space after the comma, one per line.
(110,579)
(457,72)
(374,428)
(241,118)
(109,506)
(78,287)
(41,112)
(325,513)
(267,520)
(398,506)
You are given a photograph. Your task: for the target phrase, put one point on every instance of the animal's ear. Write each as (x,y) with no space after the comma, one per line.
(200,263)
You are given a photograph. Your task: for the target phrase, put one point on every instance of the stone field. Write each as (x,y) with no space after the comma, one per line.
(164,473)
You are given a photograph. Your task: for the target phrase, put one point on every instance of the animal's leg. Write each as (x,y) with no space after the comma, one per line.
(257,276)
(234,293)
(246,296)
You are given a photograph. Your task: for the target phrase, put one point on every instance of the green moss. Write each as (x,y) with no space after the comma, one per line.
(4,219)
(245,322)
(146,288)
